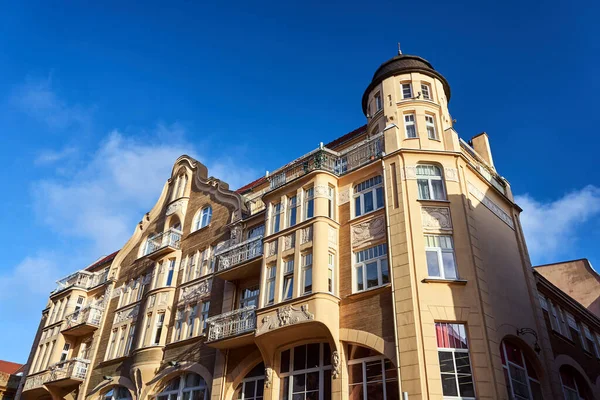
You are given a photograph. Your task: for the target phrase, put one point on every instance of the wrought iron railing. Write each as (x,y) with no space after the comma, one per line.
(75,368)
(82,279)
(90,315)
(239,253)
(338,163)
(36,381)
(491,176)
(170,238)
(231,324)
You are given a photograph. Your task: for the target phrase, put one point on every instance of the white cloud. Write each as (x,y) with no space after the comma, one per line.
(53,156)
(34,275)
(551,227)
(37,98)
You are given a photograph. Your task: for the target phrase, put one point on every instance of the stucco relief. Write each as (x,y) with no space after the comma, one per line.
(286,315)
(408,172)
(272,248)
(128,314)
(493,207)
(268,377)
(289,241)
(178,205)
(306,234)
(321,191)
(196,291)
(368,231)
(335,364)
(436,218)
(343,196)
(332,237)
(451,174)
(236,234)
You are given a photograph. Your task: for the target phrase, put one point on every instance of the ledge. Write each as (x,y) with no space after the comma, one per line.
(369,292)
(427,201)
(366,216)
(113,361)
(450,281)
(182,342)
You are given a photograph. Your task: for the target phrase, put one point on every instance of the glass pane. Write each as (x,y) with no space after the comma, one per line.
(313,354)
(446,362)
(356,392)
(462,363)
(372,275)
(260,387)
(249,389)
(192,380)
(312,381)
(186,395)
(379,195)
(326,354)
(327,385)
(355,374)
(299,383)
(359,278)
(368,197)
(390,371)
(285,388)
(385,275)
(438,188)
(449,266)
(312,395)
(299,358)
(310,209)
(198,394)
(465,384)
(357,210)
(449,385)
(285,361)
(373,371)
(298,396)
(433,265)
(423,189)
(375,391)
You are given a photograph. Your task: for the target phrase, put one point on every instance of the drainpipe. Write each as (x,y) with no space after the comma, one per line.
(224,374)
(387,223)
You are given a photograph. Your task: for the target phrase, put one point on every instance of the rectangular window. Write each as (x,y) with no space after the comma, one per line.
(145,338)
(591,344)
(271,272)
(330,273)
(191,320)
(111,345)
(292,210)
(407,91)
(79,304)
(441,262)
(288,279)
(204,315)
(378,103)
(178,324)
(192,267)
(276,218)
(130,339)
(65,352)
(426,91)
(574,329)
(158,329)
(430,124)
(455,364)
(368,196)
(330,199)
(170,272)
(307,273)
(309,201)
(121,342)
(409,125)
(371,268)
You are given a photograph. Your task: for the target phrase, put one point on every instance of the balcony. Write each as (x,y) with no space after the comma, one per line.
(232,329)
(337,163)
(81,279)
(163,243)
(236,262)
(62,374)
(83,321)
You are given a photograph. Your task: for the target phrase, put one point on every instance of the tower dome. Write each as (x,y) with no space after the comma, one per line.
(402,64)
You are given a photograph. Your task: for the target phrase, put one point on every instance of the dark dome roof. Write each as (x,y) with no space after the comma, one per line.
(402,64)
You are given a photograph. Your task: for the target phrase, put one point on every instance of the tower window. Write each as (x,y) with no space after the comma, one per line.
(409,125)
(426,91)
(430,123)
(430,183)
(407,91)
(378,102)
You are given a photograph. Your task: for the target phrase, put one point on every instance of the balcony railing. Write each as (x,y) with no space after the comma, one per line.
(491,176)
(82,279)
(90,315)
(239,253)
(75,368)
(170,238)
(231,324)
(338,163)
(36,381)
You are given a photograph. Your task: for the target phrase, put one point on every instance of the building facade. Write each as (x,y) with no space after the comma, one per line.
(10,376)
(390,260)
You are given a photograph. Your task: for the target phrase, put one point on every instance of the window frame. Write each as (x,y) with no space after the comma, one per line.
(270,284)
(406,85)
(204,213)
(287,279)
(453,351)
(507,371)
(306,271)
(430,179)
(324,365)
(276,211)
(363,361)
(411,122)
(378,102)
(361,265)
(440,258)
(376,188)
(292,210)
(309,202)
(426,87)
(430,126)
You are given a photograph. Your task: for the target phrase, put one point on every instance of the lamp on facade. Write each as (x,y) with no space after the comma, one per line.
(107,378)
(174,364)
(525,331)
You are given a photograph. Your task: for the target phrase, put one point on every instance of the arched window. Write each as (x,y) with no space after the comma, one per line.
(253,385)
(117,393)
(185,387)
(573,384)
(203,218)
(371,375)
(430,183)
(176,224)
(522,381)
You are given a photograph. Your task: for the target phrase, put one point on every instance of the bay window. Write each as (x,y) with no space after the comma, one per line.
(409,126)
(288,279)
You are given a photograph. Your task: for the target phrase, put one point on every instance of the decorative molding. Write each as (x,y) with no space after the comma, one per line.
(408,172)
(286,315)
(343,196)
(321,191)
(368,231)
(451,174)
(236,234)
(272,248)
(332,237)
(436,218)
(493,207)
(289,241)
(306,234)
(128,314)
(335,364)
(173,207)
(268,377)
(194,292)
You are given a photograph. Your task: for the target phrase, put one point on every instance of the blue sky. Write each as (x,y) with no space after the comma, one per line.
(97,101)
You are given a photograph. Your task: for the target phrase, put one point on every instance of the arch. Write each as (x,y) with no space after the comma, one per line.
(173,220)
(202,218)
(237,375)
(104,386)
(171,372)
(104,392)
(521,374)
(563,359)
(531,355)
(369,340)
(572,380)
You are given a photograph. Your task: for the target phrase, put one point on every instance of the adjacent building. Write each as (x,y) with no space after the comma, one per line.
(10,376)
(390,260)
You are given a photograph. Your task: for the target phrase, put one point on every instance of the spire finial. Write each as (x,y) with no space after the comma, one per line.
(399,50)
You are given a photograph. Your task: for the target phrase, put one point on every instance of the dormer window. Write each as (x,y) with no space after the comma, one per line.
(407,91)
(426,91)
(378,102)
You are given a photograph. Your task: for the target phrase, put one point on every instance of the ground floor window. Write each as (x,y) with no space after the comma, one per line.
(573,385)
(522,382)
(371,376)
(117,393)
(306,372)
(188,386)
(455,363)
(252,387)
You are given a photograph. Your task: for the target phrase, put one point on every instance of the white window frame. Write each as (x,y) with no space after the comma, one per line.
(270,284)
(287,276)
(380,254)
(111,343)
(430,125)
(64,354)
(276,211)
(158,328)
(307,263)
(183,389)
(130,337)
(291,373)
(363,362)
(331,200)
(516,366)
(309,202)
(430,179)
(293,206)
(203,218)
(115,393)
(454,350)
(440,251)
(410,120)
(331,273)
(178,327)
(256,380)
(426,88)
(372,185)
(378,102)
(406,85)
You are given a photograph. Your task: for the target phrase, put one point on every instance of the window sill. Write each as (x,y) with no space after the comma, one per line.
(365,216)
(112,361)
(433,201)
(450,281)
(369,292)
(562,337)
